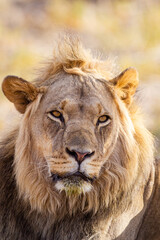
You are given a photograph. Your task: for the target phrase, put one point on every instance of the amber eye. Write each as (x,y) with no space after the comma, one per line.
(104,119)
(56,114)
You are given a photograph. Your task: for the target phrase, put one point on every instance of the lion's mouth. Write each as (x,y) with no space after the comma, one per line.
(73,184)
(73,177)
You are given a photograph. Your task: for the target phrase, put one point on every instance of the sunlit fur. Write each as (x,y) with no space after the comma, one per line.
(118,175)
(70,55)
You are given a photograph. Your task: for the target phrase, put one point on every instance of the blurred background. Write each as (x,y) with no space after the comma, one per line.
(129,31)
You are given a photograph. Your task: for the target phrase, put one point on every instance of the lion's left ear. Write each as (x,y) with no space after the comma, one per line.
(19,91)
(126,84)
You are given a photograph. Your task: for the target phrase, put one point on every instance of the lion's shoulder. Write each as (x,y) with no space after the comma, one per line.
(150,226)
(12,209)
(157,163)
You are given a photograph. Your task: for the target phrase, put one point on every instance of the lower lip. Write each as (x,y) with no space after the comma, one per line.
(77,175)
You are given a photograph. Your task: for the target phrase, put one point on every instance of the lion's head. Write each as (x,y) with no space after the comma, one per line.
(81,142)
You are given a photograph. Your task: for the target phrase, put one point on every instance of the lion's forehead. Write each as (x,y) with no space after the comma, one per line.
(74,95)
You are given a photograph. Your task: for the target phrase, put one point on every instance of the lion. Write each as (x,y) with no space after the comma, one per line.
(80,164)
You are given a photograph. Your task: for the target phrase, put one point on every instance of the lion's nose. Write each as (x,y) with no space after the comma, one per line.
(79,156)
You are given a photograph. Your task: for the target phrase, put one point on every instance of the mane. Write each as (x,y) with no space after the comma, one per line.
(70,56)
(132,154)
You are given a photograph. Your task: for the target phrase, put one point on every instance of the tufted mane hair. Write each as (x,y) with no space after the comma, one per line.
(70,56)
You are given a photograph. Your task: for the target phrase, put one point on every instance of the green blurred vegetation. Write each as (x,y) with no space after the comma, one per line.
(123,28)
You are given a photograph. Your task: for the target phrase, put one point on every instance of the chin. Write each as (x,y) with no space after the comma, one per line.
(73,186)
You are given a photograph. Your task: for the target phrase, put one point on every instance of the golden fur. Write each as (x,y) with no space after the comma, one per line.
(117,178)
(119,175)
(69,55)
(130,155)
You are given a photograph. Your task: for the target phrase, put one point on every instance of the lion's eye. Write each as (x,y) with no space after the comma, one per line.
(104,119)
(56,114)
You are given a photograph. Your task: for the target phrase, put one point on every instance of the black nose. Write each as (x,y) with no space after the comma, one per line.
(79,156)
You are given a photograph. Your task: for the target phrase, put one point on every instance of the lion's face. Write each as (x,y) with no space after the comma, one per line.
(75,130)
(75,137)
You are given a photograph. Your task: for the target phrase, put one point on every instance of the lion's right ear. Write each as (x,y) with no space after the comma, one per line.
(125,84)
(19,91)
